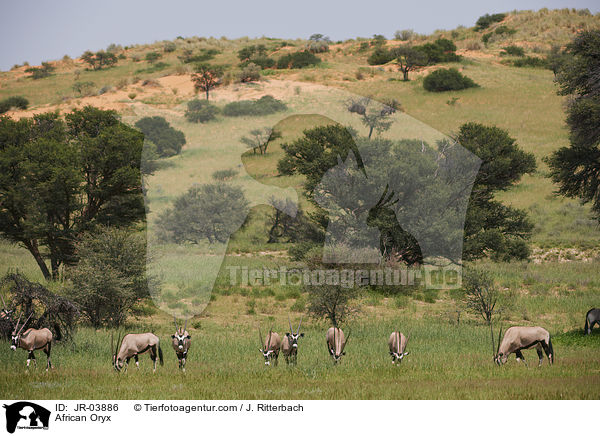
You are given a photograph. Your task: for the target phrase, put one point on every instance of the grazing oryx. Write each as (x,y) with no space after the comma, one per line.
(336,343)
(397,343)
(521,338)
(270,347)
(591,318)
(289,345)
(181,343)
(134,344)
(31,340)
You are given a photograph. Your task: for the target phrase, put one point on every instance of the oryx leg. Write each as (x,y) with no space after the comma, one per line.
(276,358)
(153,357)
(127,363)
(30,357)
(546,348)
(137,362)
(540,354)
(183,363)
(47,349)
(520,356)
(287,359)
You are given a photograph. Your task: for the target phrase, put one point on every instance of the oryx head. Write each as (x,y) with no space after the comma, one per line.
(180,334)
(293,337)
(398,354)
(499,358)
(266,351)
(338,352)
(16,333)
(116,361)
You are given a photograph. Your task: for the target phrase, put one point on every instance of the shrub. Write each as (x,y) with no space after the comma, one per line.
(404,35)
(169,47)
(487,20)
(110,277)
(205,212)
(223,175)
(380,56)
(263,106)
(530,61)
(17,102)
(441,50)
(152,57)
(447,80)
(250,73)
(203,55)
(504,30)
(99,60)
(318,43)
(167,139)
(300,59)
(201,111)
(40,72)
(512,50)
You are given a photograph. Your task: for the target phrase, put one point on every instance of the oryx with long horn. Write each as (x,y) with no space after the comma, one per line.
(289,345)
(31,340)
(517,339)
(397,344)
(270,347)
(591,318)
(181,343)
(133,345)
(336,342)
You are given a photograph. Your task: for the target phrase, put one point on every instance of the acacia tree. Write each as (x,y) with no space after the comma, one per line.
(60,178)
(99,60)
(576,168)
(207,77)
(259,139)
(375,117)
(408,59)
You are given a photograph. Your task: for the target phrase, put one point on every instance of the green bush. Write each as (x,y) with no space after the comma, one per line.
(300,59)
(447,80)
(250,73)
(504,30)
(203,55)
(512,50)
(530,61)
(487,20)
(380,56)
(17,102)
(201,111)
(264,106)
(168,140)
(441,50)
(153,56)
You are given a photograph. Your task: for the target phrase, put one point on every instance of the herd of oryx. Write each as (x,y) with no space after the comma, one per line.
(132,345)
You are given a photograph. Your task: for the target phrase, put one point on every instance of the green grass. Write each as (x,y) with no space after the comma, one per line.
(446,362)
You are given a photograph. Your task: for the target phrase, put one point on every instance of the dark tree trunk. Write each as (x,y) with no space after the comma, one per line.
(32,246)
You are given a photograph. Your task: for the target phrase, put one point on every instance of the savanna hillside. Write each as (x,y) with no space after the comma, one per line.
(509,57)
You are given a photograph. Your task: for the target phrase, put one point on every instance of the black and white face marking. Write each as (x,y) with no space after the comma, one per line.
(267,355)
(293,338)
(180,339)
(14,342)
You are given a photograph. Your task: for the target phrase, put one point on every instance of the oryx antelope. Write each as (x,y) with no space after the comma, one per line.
(289,345)
(270,347)
(517,339)
(31,340)
(397,343)
(134,344)
(336,342)
(181,343)
(591,318)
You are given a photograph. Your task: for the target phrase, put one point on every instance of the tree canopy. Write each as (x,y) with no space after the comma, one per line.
(59,178)
(576,168)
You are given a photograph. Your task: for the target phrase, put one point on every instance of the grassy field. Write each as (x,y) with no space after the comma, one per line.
(451,356)
(445,362)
